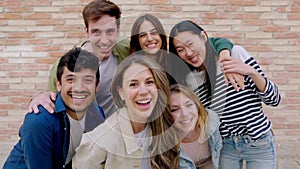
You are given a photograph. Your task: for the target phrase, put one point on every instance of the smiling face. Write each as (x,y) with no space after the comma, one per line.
(77,89)
(103,36)
(184,112)
(191,47)
(149,38)
(139,92)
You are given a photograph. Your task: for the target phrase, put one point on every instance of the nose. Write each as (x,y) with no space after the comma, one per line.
(149,37)
(189,51)
(103,39)
(143,89)
(78,85)
(184,111)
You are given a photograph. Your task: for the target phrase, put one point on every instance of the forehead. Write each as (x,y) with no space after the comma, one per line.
(146,26)
(105,22)
(179,97)
(82,72)
(136,71)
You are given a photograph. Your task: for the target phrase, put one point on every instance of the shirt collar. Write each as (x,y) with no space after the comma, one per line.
(59,104)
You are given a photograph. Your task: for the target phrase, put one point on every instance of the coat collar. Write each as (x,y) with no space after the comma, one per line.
(127,131)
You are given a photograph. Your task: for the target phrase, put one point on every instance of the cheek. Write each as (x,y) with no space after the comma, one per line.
(175,116)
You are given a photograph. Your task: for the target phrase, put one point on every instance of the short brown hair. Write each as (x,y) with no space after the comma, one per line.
(97,8)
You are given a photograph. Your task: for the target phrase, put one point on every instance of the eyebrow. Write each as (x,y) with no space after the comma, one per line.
(130,80)
(184,43)
(154,29)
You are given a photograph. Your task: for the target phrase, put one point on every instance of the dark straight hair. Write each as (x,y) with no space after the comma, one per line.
(211,54)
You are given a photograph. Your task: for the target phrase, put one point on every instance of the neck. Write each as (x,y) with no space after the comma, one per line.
(137,127)
(191,136)
(76,115)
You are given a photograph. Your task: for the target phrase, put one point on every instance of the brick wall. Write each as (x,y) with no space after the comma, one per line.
(33,33)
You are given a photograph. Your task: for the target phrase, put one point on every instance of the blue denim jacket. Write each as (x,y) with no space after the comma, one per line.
(215,143)
(44,137)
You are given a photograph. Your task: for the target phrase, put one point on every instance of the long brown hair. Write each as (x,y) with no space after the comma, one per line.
(134,40)
(164,142)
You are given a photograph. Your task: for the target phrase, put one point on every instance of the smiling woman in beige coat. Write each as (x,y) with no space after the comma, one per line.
(139,134)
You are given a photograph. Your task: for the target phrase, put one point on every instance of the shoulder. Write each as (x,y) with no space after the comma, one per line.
(105,129)
(240,53)
(214,120)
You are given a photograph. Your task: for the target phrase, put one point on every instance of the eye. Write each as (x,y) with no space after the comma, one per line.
(180,50)
(96,32)
(190,105)
(133,84)
(141,35)
(89,80)
(174,110)
(150,82)
(154,32)
(111,31)
(70,80)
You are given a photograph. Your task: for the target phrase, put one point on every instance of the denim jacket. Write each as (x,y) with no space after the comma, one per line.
(44,137)
(215,143)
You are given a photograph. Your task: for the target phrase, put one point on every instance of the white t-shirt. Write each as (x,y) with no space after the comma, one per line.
(76,131)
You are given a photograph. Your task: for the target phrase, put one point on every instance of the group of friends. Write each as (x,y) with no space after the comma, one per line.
(187,102)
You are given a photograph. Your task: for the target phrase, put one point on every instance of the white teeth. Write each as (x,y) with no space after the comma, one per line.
(78,97)
(186,121)
(151,45)
(103,47)
(143,101)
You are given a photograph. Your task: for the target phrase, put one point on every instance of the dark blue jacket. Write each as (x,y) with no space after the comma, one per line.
(44,137)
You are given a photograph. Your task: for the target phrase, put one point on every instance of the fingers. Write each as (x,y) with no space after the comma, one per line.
(43,99)
(237,80)
(233,82)
(52,96)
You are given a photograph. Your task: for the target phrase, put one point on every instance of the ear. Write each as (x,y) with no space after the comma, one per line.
(118,30)
(86,32)
(203,35)
(97,87)
(58,86)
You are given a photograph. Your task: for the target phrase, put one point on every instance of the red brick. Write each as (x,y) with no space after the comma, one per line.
(45,22)
(275,29)
(148,2)
(75,35)
(46,61)
(72,9)
(215,2)
(294,16)
(3,113)
(36,2)
(8,106)
(27,67)
(47,48)
(245,16)
(10,16)
(56,54)
(37,16)
(19,100)
(286,35)
(244,2)
(10,41)
(18,9)
(22,74)
(10,3)
(21,35)
(166,8)
(37,41)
